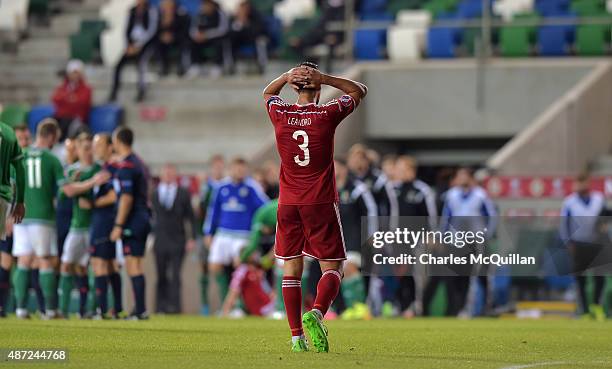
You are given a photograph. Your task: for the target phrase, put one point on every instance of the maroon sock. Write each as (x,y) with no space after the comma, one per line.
(292,296)
(327,290)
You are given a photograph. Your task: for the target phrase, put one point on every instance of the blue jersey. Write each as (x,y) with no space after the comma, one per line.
(103,218)
(468,210)
(130,179)
(232,207)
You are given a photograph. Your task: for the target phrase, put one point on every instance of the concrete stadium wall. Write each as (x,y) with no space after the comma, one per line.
(439,99)
(569,135)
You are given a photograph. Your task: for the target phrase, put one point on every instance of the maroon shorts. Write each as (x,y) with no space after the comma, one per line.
(311,230)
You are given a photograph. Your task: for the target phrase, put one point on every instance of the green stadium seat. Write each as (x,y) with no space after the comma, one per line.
(394,6)
(515,41)
(586,8)
(40,7)
(592,40)
(265,7)
(470,35)
(95,27)
(82,46)
(435,7)
(14,115)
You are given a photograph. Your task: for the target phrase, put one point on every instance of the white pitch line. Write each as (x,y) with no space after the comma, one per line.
(534,365)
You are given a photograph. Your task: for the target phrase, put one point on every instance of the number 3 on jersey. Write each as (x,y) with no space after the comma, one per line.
(303,146)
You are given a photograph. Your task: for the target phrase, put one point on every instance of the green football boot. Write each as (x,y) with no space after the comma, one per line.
(598,313)
(316,331)
(299,346)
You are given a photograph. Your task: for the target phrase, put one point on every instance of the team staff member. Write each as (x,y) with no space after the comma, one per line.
(11,162)
(35,239)
(467,207)
(132,220)
(580,217)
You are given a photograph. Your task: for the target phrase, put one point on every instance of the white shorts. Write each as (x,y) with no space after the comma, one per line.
(226,247)
(76,247)
(34,238)
(5,209)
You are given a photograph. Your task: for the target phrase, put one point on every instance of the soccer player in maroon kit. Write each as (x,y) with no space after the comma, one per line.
(308,217)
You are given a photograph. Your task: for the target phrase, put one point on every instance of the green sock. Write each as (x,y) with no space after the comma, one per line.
(353,290)
(21,280)
(222,285)
(66,284)
(48,284)
(204,290)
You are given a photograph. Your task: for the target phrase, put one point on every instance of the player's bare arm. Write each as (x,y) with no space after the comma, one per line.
(356,90)
(19,208)
(125,205)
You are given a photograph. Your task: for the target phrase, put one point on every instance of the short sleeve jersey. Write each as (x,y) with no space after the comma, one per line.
(44,175)
(81,218)
(305,143)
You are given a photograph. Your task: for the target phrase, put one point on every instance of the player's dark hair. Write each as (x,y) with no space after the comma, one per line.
(582,177)
(125,136)
(239,160)
(47,128)
(21,127)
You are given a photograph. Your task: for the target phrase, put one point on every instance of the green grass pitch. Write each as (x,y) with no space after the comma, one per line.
(183,342)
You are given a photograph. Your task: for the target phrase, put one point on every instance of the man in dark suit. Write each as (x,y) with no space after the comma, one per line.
(174,229)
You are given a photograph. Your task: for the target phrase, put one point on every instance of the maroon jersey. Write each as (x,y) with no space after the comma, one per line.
(305,143)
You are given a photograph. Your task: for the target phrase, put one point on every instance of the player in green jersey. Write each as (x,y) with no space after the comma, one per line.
(76,247)
(36,237)
(11,171)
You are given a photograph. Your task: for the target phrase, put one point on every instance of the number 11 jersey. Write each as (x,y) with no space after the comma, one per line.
(305,143)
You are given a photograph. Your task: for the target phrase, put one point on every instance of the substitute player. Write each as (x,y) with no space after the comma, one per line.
(11,157)
(308,218)
(36,237)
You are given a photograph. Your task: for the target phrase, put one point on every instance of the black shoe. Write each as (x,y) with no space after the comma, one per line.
(135,316)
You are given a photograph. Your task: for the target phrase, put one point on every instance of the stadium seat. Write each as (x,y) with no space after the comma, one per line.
(94,27)
(441,42)
(105,118)
(82,46)
(470,8)
(370,44)
(395,6)
(14,16)
(289,10)
(372,6)
(414,18)
(14,114)
(265,7)
(40,7)
(515,41)
(548,8)
(403,44)
(436,7)
(591,40)
(585,8)
(192,6)
(508,8)
(37,114)
(556,40)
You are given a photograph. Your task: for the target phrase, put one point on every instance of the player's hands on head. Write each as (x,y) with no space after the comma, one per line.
(298,77)
(315,78)
(18,213)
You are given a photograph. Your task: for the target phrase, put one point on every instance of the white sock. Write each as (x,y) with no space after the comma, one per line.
(295,338)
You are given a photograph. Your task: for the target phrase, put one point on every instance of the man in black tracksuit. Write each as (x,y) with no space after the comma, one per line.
(417,207)
(140,34)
